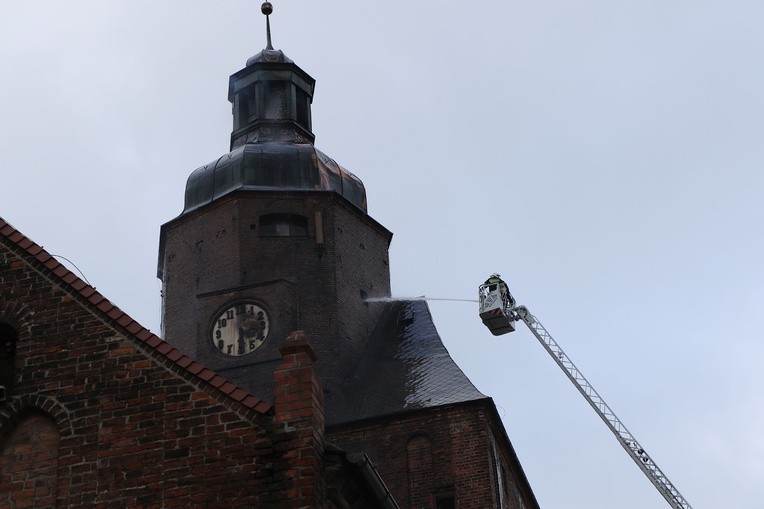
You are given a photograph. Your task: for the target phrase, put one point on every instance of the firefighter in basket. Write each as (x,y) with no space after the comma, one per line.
(506,298)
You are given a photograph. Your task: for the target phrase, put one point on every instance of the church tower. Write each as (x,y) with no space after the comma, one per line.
(274,236)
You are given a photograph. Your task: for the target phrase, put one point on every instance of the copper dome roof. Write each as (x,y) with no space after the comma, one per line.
(269,166)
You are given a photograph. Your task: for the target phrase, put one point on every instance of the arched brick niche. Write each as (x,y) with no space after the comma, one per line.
(17,316)
(29,450)
(15,323)
(9,336)
(419,463)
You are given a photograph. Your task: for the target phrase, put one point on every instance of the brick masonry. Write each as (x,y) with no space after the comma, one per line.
(98,419)
(298,401)
(456,451)
(215,255)
(28,463)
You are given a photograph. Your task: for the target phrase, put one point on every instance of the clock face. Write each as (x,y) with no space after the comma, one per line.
(240,328)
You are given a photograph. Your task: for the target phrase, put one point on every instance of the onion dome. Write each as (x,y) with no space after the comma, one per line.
(272,141)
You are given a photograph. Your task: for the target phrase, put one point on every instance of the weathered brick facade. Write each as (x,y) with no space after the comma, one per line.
(101,417)
(29,463)
(134,428)
(215,254)
(455,451)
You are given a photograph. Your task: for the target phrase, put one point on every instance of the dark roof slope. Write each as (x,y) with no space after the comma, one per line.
(121,320)
(263,166)
(406,367)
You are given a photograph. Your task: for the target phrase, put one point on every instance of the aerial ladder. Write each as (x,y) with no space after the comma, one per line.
(499,312)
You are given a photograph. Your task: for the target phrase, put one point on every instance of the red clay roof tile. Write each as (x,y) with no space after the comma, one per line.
(184,361)
(228,387)
(206,374)
(133,327)
(103,304)
(61,271)
(263,407)
(79,284)
(115,313)
(69,277)
(164,348)
(250,401)
(217,381)
(124,320)
(174,355)
(143,334)
(195,367)
(154,341)
(87,291)
(239,394)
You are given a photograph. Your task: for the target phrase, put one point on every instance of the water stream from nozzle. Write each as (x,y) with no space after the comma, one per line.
(421,297)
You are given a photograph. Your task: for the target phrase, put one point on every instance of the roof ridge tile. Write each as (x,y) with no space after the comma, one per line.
(115,313)
(184,361)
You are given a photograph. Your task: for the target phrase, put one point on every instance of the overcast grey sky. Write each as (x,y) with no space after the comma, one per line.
(604,157)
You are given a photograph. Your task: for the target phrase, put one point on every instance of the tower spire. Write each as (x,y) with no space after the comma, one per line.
(267,9)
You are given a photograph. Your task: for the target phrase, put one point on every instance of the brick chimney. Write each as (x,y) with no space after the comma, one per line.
(299,419)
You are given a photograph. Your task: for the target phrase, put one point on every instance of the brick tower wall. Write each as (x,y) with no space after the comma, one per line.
(316,282)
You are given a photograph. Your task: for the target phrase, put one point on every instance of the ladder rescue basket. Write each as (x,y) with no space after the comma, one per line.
(495,308)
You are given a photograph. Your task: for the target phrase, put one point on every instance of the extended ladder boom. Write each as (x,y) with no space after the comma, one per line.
(626,439)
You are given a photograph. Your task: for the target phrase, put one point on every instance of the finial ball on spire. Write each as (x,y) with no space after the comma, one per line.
(266,8)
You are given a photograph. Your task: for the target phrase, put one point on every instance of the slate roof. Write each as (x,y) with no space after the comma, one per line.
(405,367)
(122,321)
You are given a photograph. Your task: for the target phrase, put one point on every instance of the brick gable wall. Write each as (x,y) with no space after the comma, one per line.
(136,430)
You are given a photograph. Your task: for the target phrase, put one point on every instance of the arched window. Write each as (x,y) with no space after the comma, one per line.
(8,339)
(283,225)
